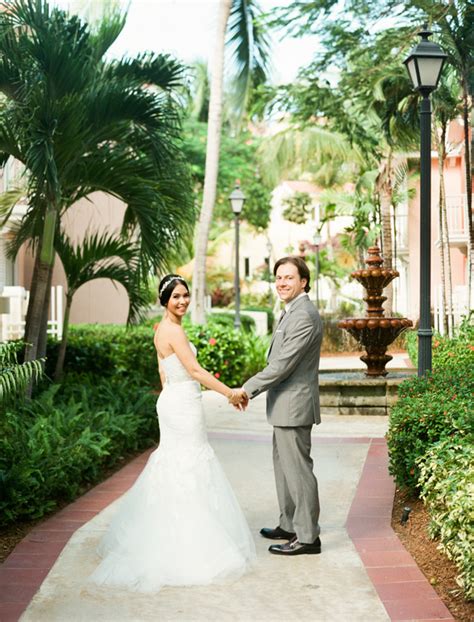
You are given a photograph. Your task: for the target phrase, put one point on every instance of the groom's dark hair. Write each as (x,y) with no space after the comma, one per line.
(300,265)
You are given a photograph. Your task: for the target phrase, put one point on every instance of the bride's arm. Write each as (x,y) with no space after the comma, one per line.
(180,345)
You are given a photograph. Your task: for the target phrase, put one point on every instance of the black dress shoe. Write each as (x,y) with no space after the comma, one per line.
(294,547)
(276,534)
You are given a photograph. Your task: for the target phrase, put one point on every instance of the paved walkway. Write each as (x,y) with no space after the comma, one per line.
(364,573)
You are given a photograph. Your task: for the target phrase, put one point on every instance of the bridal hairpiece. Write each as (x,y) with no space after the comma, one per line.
(168,281)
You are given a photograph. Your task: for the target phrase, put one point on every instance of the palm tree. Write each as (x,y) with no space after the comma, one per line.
(105,256)
(80,124)
(237,20)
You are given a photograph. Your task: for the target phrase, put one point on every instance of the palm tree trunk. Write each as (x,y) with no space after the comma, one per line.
(442,231)
(39,296)
(467,160)
(212,165)
(62,346)
(385,213)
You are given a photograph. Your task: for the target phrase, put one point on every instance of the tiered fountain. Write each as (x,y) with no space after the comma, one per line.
(375,331)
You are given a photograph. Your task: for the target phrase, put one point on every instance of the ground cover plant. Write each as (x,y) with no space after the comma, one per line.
(56,445)
(447,488)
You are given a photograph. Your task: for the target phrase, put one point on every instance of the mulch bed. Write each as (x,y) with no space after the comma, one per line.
(434,564)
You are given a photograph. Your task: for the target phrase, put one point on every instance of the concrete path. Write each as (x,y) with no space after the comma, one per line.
(364,573)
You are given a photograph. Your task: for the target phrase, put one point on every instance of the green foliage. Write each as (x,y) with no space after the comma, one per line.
(447,487)
(237,161)
(448,353)
(226,320)
(428,410)
(298,208)
(128,354)
(59,443)
(230,355)
(15,377)
(109,350)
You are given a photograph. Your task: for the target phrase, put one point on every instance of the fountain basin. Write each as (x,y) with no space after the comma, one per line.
(346,392)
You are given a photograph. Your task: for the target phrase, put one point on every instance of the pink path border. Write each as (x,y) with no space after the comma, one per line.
(401,586)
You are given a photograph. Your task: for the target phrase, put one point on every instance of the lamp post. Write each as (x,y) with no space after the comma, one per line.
(317,243)
(237,199)
(424,65)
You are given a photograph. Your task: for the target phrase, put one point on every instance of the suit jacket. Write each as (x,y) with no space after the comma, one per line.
(291,374)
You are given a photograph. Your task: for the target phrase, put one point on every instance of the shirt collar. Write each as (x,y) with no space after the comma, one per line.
(290,304)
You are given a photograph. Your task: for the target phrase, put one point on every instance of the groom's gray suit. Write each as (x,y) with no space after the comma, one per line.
(291,379)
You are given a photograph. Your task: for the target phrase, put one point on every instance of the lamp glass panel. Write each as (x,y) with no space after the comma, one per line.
(237,205)
(411,65)
(429,70)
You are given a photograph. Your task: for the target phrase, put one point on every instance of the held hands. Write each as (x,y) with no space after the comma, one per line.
(239,399)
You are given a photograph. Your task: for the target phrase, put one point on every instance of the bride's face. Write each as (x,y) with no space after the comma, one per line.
(179,301)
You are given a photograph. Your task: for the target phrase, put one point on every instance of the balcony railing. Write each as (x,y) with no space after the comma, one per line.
(456,212)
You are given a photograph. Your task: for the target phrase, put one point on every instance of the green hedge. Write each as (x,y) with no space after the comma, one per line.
(54,446)
(107,351)
(447,488)
(447,353)
(428,410)
(128,354)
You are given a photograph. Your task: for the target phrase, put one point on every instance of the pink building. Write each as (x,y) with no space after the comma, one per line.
(408,233)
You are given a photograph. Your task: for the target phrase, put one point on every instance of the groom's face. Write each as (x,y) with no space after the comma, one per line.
(289,284)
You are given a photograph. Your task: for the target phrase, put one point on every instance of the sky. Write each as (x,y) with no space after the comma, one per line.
(185,28)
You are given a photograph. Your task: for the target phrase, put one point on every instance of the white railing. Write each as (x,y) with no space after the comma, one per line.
(456,212)
(460,306)
(14,304)
(401,224)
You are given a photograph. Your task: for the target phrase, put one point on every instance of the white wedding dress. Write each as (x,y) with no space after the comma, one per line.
(180,523)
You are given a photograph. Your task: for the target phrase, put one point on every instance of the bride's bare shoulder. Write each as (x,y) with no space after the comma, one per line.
(168,332)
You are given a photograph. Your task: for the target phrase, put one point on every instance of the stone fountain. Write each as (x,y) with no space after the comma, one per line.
(375,331)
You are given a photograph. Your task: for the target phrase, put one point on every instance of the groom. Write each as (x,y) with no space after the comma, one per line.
(291,379)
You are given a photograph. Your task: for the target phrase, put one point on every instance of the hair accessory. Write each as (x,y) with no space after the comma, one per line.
(168,281)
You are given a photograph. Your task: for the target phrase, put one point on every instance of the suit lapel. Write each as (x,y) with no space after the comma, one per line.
(284,320)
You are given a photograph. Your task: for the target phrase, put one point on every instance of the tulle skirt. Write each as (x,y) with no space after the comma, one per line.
(180,523)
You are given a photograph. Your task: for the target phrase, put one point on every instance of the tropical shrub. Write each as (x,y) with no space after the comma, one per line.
(446,479)
(428,409)
(447,352)
(108,350)
(226,319)
(53,447)
(128,354)
(232,356)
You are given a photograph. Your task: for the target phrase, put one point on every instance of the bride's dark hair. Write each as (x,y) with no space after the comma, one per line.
(167,285)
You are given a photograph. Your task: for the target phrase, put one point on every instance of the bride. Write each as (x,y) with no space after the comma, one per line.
(180,523)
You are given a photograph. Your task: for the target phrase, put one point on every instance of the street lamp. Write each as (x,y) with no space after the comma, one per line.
(317,244)
(424,65)
(237,199)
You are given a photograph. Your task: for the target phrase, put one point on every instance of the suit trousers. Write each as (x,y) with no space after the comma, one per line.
(297,487)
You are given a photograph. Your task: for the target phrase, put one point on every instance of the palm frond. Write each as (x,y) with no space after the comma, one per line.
(102,256)
(249,47)
(15,377)
(297,150)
